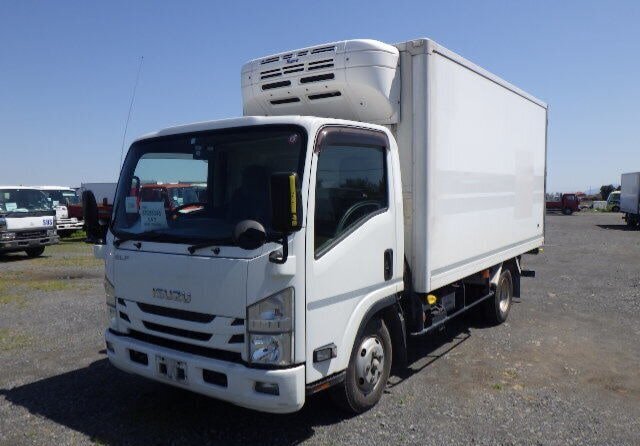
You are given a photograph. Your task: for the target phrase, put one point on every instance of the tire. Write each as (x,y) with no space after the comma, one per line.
(615,209)
(65,234)
(496,309)
(370,359)
(567,211)
(34,252)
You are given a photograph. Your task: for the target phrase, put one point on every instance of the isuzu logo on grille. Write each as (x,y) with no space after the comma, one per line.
(176,295)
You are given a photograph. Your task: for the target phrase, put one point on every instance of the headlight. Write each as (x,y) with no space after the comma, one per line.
(270,349)
(7,236)
(270,326)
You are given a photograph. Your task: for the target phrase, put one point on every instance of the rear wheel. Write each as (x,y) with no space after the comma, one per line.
(368,370)
(497,308)
(34,252)
(567,211)
(615,209)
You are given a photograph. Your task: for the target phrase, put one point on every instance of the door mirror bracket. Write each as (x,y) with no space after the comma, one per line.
(286,211)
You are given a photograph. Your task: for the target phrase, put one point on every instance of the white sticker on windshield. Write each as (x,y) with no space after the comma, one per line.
(10,206)
(56,202)
(131,205)
(152,215)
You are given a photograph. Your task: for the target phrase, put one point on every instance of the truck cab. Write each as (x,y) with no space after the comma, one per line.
(27,221)
(566,203)
(613,201)
(63,199)
(251,291)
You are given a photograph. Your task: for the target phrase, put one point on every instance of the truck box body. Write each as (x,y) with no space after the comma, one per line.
(472,147)
(630,193)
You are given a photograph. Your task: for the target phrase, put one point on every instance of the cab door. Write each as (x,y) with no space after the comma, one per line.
(353,255)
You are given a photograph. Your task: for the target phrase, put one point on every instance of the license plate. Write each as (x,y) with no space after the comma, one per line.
(171,369)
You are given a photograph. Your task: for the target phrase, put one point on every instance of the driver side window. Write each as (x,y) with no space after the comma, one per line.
(351,186)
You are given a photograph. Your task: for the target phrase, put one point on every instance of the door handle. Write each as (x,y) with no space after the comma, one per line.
(388,264)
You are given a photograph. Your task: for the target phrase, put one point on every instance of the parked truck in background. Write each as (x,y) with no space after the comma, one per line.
(27,221)
(63,199)
(630,198)
(371,193)
(566,203)
(613,201)
(104,193)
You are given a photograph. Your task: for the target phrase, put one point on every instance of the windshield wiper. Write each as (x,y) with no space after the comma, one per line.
(193,248)
(144,236)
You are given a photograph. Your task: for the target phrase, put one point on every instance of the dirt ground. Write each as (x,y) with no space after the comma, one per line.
(563,370)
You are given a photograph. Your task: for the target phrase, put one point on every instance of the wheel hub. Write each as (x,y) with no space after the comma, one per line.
(369,364)
(504,294)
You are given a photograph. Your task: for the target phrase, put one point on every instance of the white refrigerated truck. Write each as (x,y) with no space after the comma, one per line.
(630,198)
(371,193)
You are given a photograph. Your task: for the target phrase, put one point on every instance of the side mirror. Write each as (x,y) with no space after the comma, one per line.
(249,234)
(286,208)
(90,216)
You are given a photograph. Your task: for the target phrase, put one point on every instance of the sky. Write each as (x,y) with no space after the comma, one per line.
(67,71)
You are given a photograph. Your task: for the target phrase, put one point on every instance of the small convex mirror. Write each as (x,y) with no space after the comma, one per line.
(249,234)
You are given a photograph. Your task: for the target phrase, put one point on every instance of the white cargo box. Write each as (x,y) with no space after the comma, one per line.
(473,161)
(353,79)
(630,193)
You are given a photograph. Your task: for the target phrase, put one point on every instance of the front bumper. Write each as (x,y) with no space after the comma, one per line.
(241,380)
(21,245)
(68,224)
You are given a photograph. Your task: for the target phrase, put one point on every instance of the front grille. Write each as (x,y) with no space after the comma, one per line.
(30,234)
(184,315)
(207,352)
(196,335)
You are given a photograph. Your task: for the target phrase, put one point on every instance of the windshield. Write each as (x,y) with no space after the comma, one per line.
(23,201)
(193,188)
(62,197)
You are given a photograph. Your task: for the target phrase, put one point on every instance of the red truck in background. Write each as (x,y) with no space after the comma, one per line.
(566,203)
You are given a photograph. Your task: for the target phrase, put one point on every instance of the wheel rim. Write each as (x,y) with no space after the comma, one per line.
(504,294)
(369,364)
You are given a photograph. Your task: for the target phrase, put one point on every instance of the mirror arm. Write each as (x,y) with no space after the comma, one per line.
(280,257)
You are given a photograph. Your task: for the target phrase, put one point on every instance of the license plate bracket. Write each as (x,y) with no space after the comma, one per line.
(171,369)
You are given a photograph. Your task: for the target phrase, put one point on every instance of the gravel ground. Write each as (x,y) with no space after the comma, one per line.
(564,370)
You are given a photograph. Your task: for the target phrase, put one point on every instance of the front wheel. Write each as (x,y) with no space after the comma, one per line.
(615,209)
(368,370)
(34,252)
(497,308)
